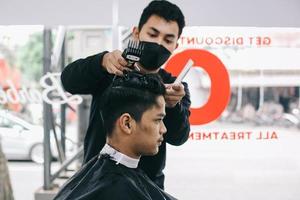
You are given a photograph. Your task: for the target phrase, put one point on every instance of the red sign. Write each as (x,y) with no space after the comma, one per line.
(220,86)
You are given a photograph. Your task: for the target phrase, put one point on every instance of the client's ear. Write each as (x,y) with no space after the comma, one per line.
(125,123)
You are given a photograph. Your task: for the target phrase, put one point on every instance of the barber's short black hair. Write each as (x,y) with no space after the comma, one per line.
(133,93)
(165,10)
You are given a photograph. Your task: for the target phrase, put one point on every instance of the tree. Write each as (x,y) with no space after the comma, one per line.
(30,57)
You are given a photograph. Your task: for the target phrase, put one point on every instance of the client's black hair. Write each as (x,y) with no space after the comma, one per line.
(133,93)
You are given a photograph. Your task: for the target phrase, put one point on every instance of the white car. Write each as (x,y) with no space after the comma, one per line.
(22,140)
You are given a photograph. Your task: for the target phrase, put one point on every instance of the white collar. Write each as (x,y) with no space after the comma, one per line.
(119,157)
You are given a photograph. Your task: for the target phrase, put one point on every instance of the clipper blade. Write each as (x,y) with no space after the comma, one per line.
(133,52)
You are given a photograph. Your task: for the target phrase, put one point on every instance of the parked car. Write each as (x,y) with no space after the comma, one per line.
(22,140)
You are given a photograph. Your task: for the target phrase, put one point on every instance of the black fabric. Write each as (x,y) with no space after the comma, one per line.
(101,178)
(87,76)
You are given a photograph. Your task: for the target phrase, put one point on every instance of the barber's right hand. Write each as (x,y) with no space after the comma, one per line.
(114,63)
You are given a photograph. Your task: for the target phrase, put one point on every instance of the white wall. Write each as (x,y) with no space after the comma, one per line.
(260,13)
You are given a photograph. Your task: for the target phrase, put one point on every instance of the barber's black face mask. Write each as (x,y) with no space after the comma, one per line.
(153,55)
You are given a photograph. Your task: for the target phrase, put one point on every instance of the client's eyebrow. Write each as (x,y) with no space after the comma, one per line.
(161,115)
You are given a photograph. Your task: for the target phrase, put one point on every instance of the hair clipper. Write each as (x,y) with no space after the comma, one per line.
(133,53)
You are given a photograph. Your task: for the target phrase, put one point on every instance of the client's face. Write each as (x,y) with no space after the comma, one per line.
(149,131)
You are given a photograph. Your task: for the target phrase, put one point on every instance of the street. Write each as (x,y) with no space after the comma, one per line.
(214,168)
(236,169)
(26,177)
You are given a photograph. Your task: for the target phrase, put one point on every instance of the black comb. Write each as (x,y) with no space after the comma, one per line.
(133,52)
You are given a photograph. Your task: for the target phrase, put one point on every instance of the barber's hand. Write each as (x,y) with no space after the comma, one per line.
(114,63)
(174,94)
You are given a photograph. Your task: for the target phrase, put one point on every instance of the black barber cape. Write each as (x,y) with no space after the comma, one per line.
(102,179)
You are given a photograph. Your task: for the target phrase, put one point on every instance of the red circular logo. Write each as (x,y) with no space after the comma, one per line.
(220,85)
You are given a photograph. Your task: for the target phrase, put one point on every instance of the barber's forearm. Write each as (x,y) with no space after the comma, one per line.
(83,76)
(177,120)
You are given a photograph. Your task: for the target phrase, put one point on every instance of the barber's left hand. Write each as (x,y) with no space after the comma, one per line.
(174,93)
